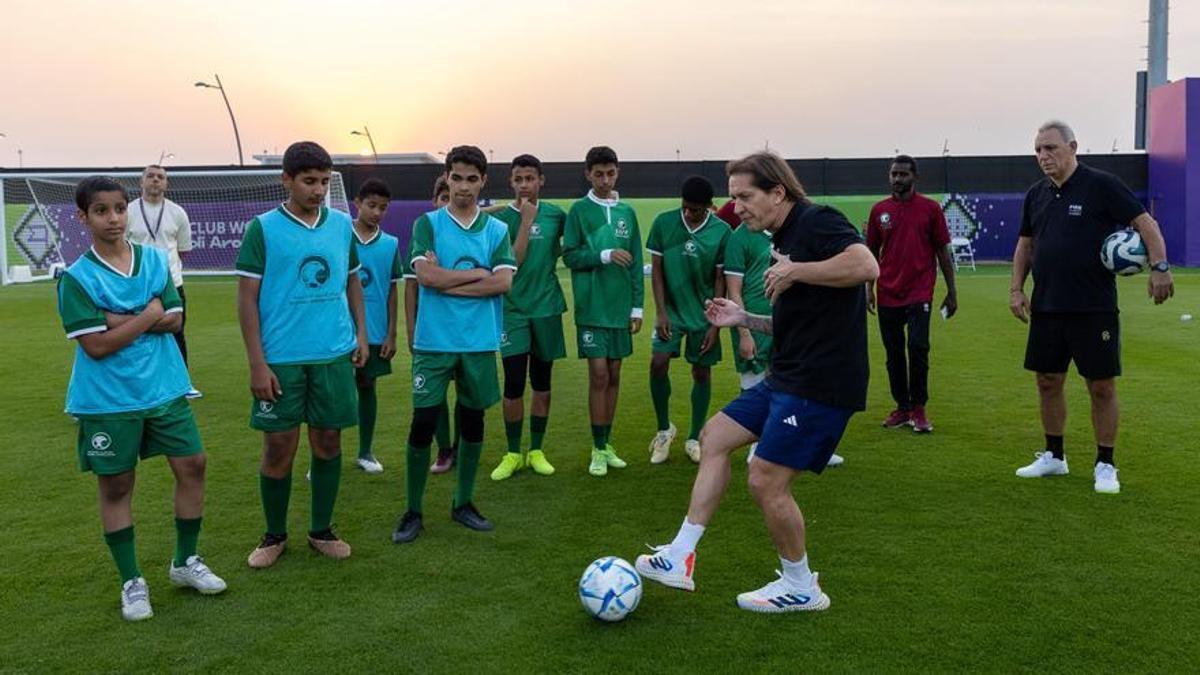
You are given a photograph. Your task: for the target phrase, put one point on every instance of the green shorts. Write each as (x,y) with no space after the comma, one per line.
(376,365)
(695,338)
(603,343)
(542,337)
(321,395)
(476,381)
(762,352)
(113,444)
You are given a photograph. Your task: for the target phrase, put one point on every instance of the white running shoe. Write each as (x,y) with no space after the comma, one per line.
(369,464)
(668,571)
(781,596)
(194,393)
(835,460)
(692,448)
(196,574)
(1044,465)
(1106,479)
(660,447)
(135,600)
(753,449)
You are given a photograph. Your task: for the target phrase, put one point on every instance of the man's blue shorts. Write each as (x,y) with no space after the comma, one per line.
(792,430)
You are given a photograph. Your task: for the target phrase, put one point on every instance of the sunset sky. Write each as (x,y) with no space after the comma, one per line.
(111,83)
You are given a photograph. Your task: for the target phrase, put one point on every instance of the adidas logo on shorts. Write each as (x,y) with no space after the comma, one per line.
(790,420)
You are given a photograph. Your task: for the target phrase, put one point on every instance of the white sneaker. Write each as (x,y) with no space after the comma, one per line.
(660,447)
(1044,465)
(194,393)
(369,464)
(135,600)
(692,448)
(1106,479)
(196,574)
(664,569)
(835,460)
(781,596)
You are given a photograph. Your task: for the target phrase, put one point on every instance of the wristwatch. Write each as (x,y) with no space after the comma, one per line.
(1161,266)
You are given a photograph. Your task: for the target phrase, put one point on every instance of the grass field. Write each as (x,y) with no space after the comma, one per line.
(936,557)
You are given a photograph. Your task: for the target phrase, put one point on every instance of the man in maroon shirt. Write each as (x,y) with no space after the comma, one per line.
(727,214)
(907,233)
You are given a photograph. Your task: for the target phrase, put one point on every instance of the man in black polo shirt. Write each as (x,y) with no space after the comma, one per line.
(818,379)
(1073,317)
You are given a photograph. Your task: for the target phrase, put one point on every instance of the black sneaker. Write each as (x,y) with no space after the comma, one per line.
(470,516)
(407,529)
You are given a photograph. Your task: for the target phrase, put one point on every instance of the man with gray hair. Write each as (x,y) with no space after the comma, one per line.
(157,221)
(1072,316)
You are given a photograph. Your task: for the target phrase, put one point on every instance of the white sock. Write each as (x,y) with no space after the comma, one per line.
(748,380)
(685,542)
(797,573)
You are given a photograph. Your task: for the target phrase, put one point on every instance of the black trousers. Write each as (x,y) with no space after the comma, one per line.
(179,338)
(908,374)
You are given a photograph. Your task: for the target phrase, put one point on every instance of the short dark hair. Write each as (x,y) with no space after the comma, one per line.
(528,162)
(601,154)
(697,190)
(373,187)
(469,155)
(305,156)
(906,159)
(768,170)
(88,188)
(153,166)
(439,186)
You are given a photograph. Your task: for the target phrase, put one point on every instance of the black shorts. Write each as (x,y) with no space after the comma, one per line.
(1092,341)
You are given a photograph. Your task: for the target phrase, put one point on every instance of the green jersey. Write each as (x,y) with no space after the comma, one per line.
(748,255)
(606,294)
(535,291)
(691,260)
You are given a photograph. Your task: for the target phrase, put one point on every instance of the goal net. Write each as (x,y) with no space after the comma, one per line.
(42,233)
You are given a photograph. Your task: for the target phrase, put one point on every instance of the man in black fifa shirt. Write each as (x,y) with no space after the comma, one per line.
(1073,316)
(818,379)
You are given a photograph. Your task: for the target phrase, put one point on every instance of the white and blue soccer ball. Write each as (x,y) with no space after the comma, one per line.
(610,589)
(1124,253)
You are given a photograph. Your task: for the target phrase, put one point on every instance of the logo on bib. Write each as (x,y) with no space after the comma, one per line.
(588,338)
(622,229)
(314,271)
(365,277)
(418,382)
(100,442)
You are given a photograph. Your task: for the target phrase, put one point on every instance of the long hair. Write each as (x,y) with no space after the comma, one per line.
(767,170)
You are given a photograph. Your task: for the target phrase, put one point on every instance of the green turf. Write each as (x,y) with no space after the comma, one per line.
(935,556)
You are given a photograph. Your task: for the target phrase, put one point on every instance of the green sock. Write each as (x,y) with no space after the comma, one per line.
(443,427)
(537,431)
(276,492)
(368,406)
(416,475)
(512,431)
(468,466)
(701,395)
(598,436)
(326,477)
(660,392)
(187,535)
(120,544)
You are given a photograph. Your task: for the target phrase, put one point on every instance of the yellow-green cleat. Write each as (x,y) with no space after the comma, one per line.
(599,465)
(537,461)
(511,463)
(610,457)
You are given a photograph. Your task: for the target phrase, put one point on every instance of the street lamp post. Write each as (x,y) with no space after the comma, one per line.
(165,155)
(236,136)
(366,131)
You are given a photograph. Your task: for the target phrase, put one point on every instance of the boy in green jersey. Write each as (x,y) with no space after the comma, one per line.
(447,442)
(300,306)
(533,334)
(128,388)
(602,246)
(687,248)
(747,257)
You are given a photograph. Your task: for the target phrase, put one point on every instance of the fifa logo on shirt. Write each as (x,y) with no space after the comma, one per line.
(365,277)
(314,271)
(101,442)
(885,220)
(622,229)
(418,382)
(588,337)
(690,248)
